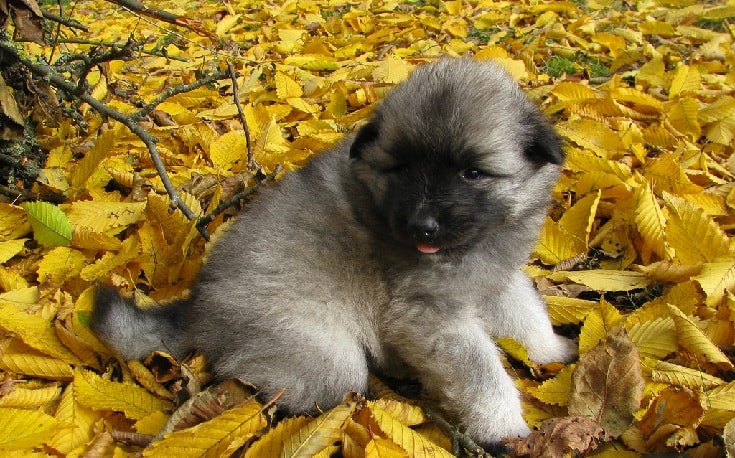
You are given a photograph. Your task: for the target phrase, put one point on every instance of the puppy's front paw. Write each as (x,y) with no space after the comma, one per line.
(556,348)
(498,423)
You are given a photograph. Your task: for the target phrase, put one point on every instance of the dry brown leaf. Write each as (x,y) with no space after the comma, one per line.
(562,436)
(607,384)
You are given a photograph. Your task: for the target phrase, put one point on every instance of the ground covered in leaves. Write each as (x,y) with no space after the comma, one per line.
(636,260)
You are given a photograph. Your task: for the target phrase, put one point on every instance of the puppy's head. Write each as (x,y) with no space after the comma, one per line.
(454,153)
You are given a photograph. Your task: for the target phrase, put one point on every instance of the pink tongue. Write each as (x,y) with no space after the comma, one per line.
(427,249)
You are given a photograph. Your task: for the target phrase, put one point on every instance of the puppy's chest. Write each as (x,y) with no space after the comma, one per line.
(445,289)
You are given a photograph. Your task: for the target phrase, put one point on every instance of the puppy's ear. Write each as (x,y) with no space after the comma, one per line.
(545,145)
(365,136)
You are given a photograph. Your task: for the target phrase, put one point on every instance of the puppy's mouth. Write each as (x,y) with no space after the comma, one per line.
(427,248)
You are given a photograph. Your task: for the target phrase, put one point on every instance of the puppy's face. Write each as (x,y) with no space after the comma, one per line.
(453,153)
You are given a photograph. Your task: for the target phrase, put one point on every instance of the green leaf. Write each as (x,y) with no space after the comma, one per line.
(50,225)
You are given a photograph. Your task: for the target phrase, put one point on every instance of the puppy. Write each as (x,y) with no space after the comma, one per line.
(403,245)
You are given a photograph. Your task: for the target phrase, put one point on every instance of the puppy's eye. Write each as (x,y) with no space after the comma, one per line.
(398,169)
(472,174)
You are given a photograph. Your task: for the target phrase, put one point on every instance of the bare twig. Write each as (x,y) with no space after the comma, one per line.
(165,16)
(461,443)
(208,218)
(109,44)
(243,121)
(178,89)
(71,23)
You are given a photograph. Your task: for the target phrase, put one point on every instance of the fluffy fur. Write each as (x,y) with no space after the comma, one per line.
(403,245)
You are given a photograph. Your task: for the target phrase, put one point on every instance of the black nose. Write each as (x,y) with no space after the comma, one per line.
(423,227)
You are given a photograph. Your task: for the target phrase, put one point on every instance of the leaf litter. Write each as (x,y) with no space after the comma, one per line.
(636,258)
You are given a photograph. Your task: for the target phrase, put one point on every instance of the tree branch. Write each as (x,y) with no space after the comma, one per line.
(47,72)
(243,121)
(178,89)
(71,23)
(165,16)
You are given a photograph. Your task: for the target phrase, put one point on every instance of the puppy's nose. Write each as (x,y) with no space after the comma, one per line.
(423,227)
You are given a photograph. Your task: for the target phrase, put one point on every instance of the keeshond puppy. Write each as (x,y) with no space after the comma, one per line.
(401,246)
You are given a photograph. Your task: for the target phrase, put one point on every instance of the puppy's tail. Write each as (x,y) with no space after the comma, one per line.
(135,332)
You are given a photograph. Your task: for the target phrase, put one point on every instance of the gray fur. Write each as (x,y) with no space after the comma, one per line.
(323,277)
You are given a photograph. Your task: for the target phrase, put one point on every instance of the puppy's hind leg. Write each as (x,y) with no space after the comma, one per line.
(315,370)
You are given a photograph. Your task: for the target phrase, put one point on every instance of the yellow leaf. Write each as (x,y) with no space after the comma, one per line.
(10,248)
(411,441)
(59,265)
(92,158)
(13,222)
(568,310)
(287,87)
(582,161)
(29,397)
(152,424)
(637,100)
(226,24)
(682,114)
(304,106)
(454,7)
(513,348)
(103,216)
(722,108)
(555,244)
(693,339)
(391,71)
(315,62)
(28,296)
(654,72)
(148,381)
(663,29)
(320,433)
(686,80)
(592,135)
(605,280)
(722,132)
(273,442)
(456,27)
(611,41)
(656,338)
(572,92)
(578,220)
(651,222)
(693,234)
(674,374)
(28,363)
(597,325)
(220,436)
(81,419)
(408,414)
(11,280)
(129,250)
(715,279)
(669,272)
(86,238)
(722,397)
(35,331)
(516,68)
(161,261)
(666,174)
(25,429)
(229,150)
(384,448)
(100,394)
(555,390)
